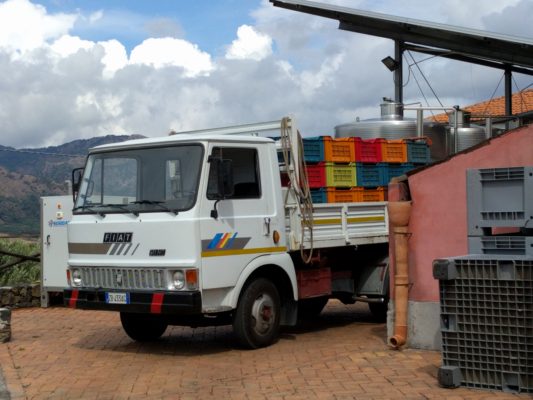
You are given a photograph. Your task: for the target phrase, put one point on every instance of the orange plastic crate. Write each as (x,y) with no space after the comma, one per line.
(377,194)
(394,151)
(350,195)
(339,150)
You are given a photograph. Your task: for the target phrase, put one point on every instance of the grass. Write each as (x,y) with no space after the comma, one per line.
(24,273)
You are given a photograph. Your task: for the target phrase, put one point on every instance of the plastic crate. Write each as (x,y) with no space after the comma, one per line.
(394,170)
(418,152)
(394,151)
(376,194)
(504,245)
(314,149)
(339,150)
(319,196)
(340,175)
(368,150)
(499,197)
(371,175)
(316,175)
(348,195)
(486,305)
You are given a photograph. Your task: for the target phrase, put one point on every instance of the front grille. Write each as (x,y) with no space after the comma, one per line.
(123,278)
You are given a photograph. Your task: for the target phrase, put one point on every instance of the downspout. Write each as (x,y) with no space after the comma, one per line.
(399,213)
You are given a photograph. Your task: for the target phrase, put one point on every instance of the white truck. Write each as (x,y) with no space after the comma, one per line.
(196,229)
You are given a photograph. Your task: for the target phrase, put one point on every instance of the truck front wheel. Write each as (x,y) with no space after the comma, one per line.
(256,319)
(142,327)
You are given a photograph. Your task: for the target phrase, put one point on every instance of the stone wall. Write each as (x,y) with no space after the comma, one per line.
(20,296)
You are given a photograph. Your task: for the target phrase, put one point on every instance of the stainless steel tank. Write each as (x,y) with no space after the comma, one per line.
(392,125)
(467,135)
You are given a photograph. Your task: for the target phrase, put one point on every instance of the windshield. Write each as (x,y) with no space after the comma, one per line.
(141,180)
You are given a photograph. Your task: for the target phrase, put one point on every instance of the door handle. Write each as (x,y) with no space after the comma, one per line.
(266,227)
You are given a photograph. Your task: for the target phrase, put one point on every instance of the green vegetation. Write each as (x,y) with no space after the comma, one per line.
(26,272)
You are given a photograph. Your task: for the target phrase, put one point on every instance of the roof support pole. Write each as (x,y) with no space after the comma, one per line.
(398,73)
(508,91)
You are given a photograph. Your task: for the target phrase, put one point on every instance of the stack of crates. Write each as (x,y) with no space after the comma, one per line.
(486,298)
(331,169)
(380,160)
(351,169)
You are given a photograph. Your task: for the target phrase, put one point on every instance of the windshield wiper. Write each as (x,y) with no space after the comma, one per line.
(100,213)
(155,203)
(122,207)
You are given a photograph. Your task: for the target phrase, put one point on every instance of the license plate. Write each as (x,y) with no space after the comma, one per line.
(117,298)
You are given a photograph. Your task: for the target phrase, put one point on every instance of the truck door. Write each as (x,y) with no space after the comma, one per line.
(242,230)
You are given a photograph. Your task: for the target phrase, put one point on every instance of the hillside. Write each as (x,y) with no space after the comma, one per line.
(27,174)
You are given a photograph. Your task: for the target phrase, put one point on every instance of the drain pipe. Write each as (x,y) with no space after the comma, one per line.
(399,213)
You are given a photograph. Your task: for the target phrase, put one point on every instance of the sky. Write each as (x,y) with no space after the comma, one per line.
(75,69)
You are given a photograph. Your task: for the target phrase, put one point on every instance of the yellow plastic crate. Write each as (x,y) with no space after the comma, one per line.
(339,150)
(340,175)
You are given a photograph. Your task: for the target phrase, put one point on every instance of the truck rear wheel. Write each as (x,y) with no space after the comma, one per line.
(142,327)
(256,319)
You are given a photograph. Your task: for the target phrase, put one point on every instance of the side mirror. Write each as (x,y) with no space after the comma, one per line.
(77,174)
(222,174)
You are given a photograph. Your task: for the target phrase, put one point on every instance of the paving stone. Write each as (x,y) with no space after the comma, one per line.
(343,354)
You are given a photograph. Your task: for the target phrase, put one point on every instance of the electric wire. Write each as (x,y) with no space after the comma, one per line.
(492,96)
(425,79)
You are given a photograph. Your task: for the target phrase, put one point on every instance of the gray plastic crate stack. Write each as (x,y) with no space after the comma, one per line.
(486,297)
(500,198)
(486,322)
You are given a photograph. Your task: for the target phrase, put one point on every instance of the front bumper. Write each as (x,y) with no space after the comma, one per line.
(154,302)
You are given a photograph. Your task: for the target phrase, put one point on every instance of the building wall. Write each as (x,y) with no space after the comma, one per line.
(438,223)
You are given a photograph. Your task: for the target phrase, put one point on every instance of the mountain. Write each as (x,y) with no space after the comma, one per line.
(27,174)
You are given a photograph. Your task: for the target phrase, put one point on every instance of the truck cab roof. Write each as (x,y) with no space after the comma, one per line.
(180,138)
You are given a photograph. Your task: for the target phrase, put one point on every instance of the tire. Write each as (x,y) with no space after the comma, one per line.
(142,327)
(379,310)
(256,319)
(310,308)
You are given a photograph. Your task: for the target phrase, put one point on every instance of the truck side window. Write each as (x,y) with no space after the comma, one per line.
(246,183)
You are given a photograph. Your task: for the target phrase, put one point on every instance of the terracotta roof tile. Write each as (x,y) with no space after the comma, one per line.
(522,103)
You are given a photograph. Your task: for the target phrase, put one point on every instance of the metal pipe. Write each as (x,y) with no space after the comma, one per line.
(419,123)
(488,128)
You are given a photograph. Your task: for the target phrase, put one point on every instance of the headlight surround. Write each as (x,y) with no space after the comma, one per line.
(76,277)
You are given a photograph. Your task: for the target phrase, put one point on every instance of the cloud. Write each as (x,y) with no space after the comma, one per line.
(250,44)
(165,52)
(66,87)
(26,26)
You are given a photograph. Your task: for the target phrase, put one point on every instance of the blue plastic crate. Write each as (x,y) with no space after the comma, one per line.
(393,170)
(314,149)
(371,175)
(319,196)
(418,152)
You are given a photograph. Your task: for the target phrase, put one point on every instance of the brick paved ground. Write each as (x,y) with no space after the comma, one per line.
(70,354)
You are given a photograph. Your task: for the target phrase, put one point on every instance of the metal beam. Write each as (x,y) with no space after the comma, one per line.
(466,58)
(508,92)
(398,73)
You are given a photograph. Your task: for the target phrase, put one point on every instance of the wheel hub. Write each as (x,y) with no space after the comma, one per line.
(263,313)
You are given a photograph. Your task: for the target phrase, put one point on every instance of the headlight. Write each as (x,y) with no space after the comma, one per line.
(76,277)
(178,280)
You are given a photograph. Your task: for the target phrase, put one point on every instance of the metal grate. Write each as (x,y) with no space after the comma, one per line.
(487,320)
(123,278)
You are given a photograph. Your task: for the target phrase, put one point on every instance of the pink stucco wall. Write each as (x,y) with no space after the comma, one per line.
(438,221)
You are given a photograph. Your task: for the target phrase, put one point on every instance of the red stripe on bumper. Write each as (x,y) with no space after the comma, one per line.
(73,299)
(157,303)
